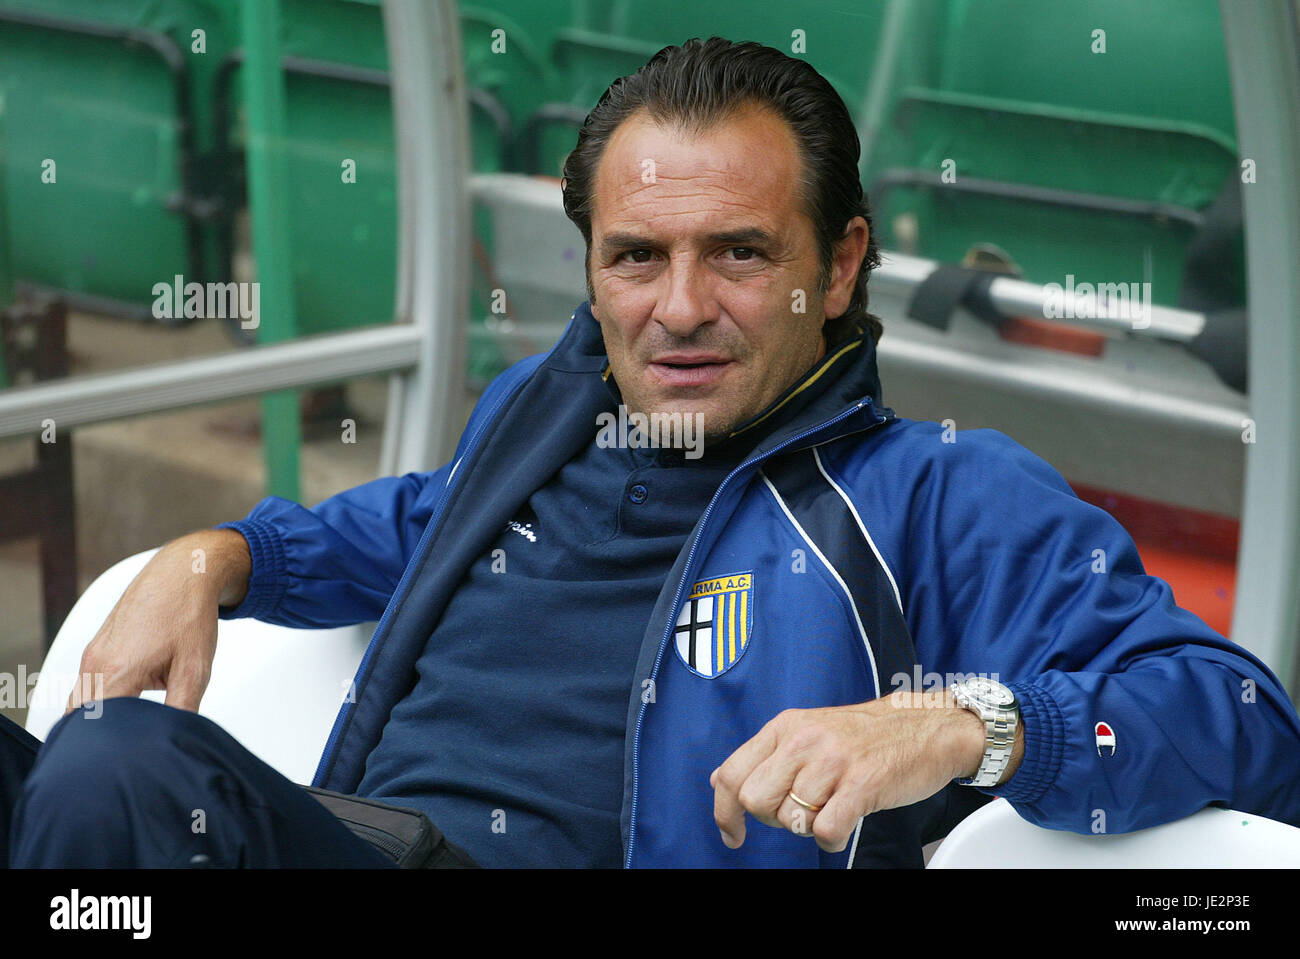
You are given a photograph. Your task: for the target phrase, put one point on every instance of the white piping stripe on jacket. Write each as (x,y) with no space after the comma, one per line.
(853,850)
(862,526)
(875,678)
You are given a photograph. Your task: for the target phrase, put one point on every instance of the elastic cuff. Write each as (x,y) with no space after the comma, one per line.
(270,577)
(1044,746)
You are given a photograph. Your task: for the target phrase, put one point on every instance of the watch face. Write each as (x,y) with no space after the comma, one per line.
(990,691)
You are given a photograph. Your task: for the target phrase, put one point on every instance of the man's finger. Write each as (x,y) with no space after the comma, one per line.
(79,693)
(185,687)
(838,820)
(796,818)
(74,698)
(88,686)
(727,780)
(183,697)
(767,787)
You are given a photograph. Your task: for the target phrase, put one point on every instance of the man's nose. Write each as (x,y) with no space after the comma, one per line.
(685,303)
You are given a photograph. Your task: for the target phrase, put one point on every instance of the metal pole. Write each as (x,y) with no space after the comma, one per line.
(268,196)
(142,390)
(895,28)
(425,410)
(6,262)
(1263,46)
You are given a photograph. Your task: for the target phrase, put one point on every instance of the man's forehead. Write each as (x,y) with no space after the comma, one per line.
(739,173)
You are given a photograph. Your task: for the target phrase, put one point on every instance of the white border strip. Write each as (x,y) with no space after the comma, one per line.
(853,850)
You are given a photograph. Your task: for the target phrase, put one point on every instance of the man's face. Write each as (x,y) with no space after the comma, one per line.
(701,254)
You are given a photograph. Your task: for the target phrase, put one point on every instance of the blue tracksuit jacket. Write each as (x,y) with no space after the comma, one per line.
(853,552)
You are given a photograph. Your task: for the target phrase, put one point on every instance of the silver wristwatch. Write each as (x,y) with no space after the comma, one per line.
(997,706)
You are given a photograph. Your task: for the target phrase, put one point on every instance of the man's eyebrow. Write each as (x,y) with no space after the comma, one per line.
(622,242)
(752,234)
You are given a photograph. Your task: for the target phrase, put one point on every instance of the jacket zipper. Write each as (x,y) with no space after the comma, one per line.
(688,572)
(327,757)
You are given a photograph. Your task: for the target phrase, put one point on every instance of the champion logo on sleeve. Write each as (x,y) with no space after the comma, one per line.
(1105,737)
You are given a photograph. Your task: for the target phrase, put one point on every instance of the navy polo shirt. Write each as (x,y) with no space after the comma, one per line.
(512,738)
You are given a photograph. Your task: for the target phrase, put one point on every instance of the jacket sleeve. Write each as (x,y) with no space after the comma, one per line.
(1009,573)
(340,562)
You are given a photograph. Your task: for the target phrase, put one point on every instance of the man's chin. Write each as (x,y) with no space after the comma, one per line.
(709,424)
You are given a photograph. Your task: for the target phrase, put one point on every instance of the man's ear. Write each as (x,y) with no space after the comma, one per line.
(845,263)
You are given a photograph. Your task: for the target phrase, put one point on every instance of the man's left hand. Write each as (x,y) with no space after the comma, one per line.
(847,762)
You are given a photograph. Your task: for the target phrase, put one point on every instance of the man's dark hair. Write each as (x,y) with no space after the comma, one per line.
(703,82)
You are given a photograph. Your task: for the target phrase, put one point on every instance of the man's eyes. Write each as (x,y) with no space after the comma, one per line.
(739,254)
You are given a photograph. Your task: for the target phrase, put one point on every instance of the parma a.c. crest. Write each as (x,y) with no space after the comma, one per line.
(715,623)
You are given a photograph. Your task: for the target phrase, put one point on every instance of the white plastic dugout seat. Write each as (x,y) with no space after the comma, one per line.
(274,689)
(995,836)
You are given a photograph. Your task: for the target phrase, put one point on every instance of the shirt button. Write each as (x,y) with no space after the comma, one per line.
(637,494)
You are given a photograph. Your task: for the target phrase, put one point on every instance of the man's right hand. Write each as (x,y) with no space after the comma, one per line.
(162,634)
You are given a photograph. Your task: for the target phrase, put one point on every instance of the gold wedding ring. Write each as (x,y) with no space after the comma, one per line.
(811,807)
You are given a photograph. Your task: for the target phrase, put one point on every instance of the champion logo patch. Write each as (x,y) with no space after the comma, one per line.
(1105,737)
(715,624)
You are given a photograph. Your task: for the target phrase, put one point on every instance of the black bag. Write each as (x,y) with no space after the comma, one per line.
(406,836)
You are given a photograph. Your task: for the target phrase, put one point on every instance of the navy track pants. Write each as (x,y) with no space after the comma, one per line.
(143,785)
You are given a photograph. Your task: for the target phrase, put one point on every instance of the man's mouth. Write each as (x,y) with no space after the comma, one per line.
(688,370)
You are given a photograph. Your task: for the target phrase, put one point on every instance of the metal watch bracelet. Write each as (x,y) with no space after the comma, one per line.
(999,738)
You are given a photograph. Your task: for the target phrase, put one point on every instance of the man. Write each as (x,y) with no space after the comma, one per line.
(597,653)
